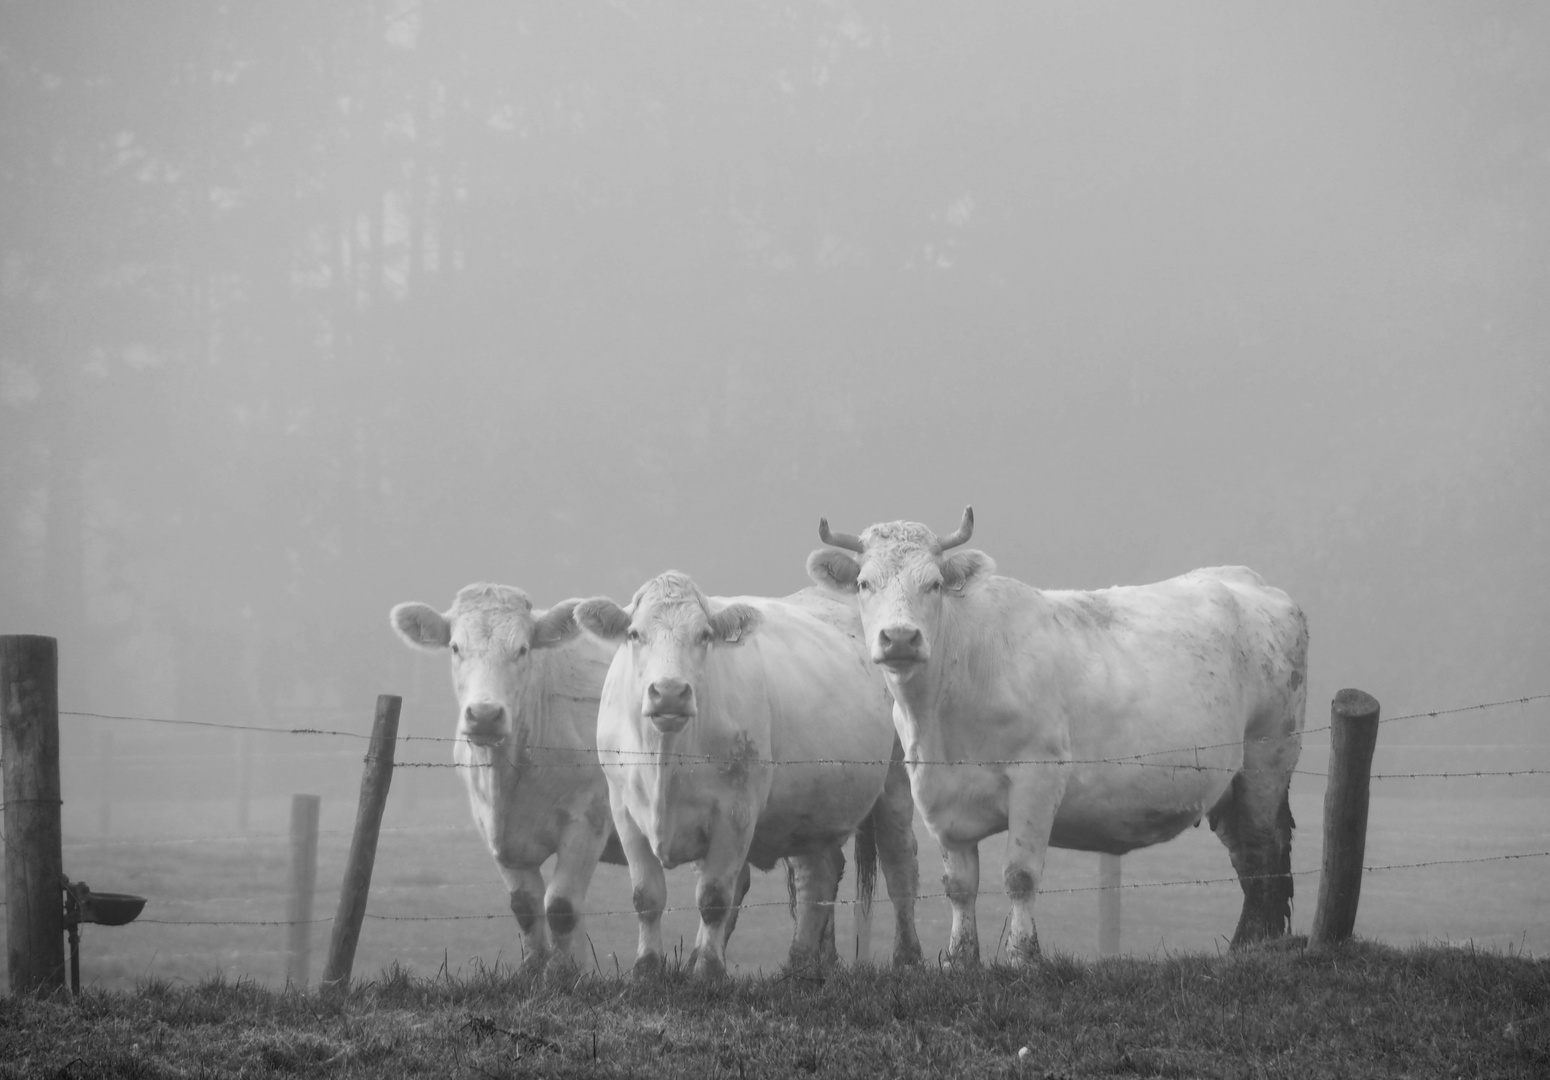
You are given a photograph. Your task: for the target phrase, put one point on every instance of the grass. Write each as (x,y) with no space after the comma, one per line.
(1361,1010)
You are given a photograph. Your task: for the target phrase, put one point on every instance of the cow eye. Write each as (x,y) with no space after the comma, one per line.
(864,585)
(455,650)
(935,586)
(705,636)
(633,635)
(521,652)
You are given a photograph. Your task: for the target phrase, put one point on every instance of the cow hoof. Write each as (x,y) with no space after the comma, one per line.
(1023,953)
(1022,958)
(803,960)
(706,965)
(961,960)
(647,966)
(1286,942)
(907,956)
(533,964)
(562,968)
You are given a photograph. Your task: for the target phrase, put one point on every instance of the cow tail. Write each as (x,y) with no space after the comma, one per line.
(1285,825)
(791,887)
(866,880)
(866,860)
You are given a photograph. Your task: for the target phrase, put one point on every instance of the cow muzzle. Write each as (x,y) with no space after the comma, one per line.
(900,648)
(669,704)
(484,723)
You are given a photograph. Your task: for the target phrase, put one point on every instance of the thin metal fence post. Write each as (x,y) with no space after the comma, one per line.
(244,780)
(105,770)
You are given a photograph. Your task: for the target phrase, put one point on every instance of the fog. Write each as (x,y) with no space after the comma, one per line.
(309,309)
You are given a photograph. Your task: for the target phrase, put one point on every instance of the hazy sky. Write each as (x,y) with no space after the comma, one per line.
(317,311)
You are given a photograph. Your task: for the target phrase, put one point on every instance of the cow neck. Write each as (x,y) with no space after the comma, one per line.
(922,698)
(956,677)
(559,703)
(672,763)
(656,770)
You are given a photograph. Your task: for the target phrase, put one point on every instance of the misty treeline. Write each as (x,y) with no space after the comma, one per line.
(310,308)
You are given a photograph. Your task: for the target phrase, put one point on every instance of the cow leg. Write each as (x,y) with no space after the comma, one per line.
(648,891)
(1032,799)
(581,845)
(718,872)
(816,879)
(828,907)
(894,817)
(739,891)
(961,881)
(526,886)
(1254,820)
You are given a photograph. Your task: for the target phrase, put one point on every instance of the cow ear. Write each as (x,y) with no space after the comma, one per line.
(422,626)
(556,626)
(962,567)
(602,618)
(733,623)
(833,569)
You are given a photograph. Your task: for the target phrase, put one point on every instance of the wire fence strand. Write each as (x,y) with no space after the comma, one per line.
(841,902)
(592,756)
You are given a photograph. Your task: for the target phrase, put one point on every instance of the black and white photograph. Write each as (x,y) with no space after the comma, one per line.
(775,538)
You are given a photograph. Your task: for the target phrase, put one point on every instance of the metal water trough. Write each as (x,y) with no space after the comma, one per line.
(103,908)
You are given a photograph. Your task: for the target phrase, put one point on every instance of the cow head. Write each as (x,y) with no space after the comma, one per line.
(900,573)
(491,632)
(669,629)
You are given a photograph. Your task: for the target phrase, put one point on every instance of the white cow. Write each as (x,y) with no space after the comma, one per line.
(1100,721)
(527,685)
(746,730)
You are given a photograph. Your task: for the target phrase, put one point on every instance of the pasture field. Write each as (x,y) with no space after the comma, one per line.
(1361,1010)
(217,902)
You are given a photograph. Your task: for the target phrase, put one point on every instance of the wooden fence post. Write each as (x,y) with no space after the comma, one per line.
(1352,737)
(34,862)
(304,879)
(1108,905)
(375,780)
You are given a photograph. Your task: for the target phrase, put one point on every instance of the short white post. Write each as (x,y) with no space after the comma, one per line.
(1108,905)
(244,792)
(105,782)
(304,878)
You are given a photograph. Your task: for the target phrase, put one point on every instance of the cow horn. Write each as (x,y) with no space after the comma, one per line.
(839,540)
(965,530)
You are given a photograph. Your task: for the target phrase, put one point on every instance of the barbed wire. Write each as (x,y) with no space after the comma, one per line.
(708,760)
(1137,759)
(840,902)
(78,843)
(245,727)
(1458,709)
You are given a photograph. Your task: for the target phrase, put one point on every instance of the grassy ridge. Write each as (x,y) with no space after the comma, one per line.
(1363,1010)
